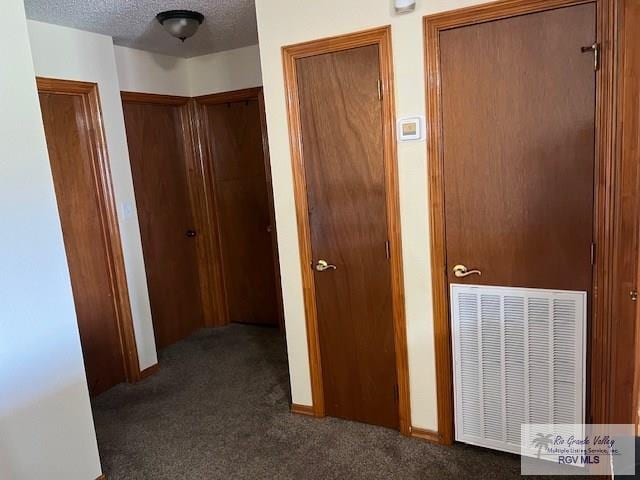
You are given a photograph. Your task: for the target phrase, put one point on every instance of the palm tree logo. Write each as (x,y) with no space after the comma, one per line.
(542,441)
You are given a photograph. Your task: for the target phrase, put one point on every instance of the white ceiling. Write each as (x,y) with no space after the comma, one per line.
(228,24)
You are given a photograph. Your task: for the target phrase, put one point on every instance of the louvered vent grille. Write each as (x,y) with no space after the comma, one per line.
(518,358)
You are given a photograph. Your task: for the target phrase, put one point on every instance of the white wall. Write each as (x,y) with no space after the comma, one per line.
(283,22)
(65,53)
(225,71)
(147,72)
(140,71)
(46,429)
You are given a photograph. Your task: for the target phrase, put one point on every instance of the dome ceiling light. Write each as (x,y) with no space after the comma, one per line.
(181,24)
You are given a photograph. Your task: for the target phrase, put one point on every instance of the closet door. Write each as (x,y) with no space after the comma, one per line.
(243,205)
(518,127)
(157,150)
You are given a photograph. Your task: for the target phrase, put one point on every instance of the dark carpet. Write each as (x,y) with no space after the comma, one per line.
(219,409)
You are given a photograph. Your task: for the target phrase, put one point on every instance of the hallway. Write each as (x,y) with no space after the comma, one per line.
(219,409)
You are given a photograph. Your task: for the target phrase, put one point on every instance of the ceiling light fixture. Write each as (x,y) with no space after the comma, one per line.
(181,24)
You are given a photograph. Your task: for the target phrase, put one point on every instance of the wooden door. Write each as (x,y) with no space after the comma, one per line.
(518,108)
(157,149)
(624,373)
(71,143)
(245,226)
(342,146)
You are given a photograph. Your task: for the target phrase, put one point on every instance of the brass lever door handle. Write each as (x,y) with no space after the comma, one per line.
(322,265)
(461,271)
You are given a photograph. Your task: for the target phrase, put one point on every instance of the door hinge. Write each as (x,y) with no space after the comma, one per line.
(387,249)
(593,253)
(595,48)
(379,89)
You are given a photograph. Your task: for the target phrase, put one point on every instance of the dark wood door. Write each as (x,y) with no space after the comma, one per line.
(342,138)
(243,211)
(518,101)
(624,373)
(157,153)
(70,147)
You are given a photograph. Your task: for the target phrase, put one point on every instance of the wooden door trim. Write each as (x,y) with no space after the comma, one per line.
(605,187)
(108,214)
(290,54)
(139,97)
(229,97)
(272,209)
(193,166)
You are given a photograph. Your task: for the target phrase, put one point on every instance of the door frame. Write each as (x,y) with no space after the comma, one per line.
(101,169)
(605,188)
(204,145)
(206,275)
(290,54)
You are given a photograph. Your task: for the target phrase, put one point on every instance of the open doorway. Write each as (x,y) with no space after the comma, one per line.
(203,190)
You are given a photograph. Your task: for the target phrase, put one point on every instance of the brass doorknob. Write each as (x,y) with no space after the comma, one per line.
(462,271)
(322,265)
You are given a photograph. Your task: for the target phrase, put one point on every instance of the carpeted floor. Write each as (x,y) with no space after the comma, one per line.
(219,409)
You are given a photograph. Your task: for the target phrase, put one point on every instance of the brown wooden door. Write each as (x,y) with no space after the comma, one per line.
(624,372)
(518,102)
(342,138)
(71,149)
(243,211)
(157,153)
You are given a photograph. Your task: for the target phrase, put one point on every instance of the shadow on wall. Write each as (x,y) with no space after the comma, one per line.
(23,454)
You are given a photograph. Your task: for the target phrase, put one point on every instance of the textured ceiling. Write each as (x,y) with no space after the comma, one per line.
(228,24)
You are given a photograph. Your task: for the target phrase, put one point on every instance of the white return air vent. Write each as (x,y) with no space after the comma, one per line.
(518,358)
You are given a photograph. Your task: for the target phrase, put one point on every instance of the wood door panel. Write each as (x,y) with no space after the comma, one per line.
(624,373)
(342,138)
(243,211)
(67,130)
(156,151)
(518,103)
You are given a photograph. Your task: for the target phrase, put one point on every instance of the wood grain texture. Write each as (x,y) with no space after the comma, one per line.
(302,409)
(425,434)
(607,184)
(152,98)
(625,362)
(82,178)
(149,371)
(344,172)
(236,160)
(159,149)
(229,97)
(433,26)
(291,54)
(518,123)
(212,305)
(272,210)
